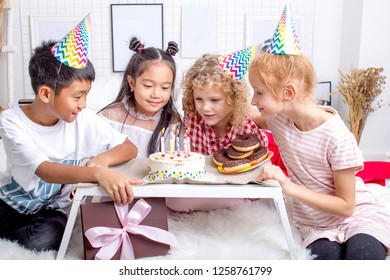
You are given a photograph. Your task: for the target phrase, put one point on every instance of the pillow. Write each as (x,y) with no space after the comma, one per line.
(375,172)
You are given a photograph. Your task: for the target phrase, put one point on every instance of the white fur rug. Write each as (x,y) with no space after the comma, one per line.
(246,232)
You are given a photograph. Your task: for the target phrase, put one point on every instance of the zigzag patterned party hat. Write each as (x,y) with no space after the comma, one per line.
(72,50)
(236,64)
(285,39)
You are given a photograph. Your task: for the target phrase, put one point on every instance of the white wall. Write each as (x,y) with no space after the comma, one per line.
(354,33)
(363,37)
(374,40)
(327,42)
(230,33)
(337,34)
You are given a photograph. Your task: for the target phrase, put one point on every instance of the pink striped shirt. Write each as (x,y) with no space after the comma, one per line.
(310,158)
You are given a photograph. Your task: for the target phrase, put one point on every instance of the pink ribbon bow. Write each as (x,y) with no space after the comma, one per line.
(110,239)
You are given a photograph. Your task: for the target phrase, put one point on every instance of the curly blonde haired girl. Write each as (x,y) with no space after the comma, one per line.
(206,74)
(216,107)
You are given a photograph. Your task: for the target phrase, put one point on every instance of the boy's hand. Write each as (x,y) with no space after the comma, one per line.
(117,185)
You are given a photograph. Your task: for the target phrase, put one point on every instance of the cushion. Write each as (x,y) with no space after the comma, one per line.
(375,172)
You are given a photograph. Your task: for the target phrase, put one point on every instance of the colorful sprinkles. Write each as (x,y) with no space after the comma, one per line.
(177,166)
(165,174)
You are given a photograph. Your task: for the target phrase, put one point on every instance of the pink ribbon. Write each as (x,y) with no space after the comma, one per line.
(110,239)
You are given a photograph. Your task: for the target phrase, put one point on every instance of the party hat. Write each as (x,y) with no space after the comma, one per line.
(236,64)
(72,50)
(285,39)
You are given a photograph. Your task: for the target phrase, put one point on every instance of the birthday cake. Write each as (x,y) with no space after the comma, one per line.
(166,165)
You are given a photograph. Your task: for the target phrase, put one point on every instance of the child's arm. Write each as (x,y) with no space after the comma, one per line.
(341,204)
(115,184)
(117,155)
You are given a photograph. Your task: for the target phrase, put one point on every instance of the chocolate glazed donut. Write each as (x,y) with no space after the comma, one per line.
(258,155)
(220,157)
(229,165)
(245,142)
(235,154)
(236,165)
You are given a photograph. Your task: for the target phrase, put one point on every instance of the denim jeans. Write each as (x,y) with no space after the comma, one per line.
(40,231)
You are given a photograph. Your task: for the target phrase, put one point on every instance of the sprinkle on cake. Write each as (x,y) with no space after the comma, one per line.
(178,165)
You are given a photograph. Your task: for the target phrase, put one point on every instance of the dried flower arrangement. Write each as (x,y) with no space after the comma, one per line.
(359,89)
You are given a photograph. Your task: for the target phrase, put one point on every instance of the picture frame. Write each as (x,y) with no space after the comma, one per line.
(198,36)
(144,21)
(44,28)
(323,92)
(261,28)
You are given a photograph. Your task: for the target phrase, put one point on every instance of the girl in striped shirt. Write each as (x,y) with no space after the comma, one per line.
(337,216)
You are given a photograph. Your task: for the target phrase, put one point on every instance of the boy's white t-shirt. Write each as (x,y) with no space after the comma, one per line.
(28,144)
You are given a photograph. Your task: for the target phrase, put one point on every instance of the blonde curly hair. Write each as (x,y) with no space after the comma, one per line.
(205,74)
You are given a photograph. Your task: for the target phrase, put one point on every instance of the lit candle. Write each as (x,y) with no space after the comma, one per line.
(186,144)
(162,140)
(177,142)
(172,143)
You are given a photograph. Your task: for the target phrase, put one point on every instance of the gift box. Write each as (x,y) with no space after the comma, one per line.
(130,231)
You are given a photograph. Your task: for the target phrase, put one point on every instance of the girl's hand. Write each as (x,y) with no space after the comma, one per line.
(272,172)
(275,173)
(340,204)
(117,185)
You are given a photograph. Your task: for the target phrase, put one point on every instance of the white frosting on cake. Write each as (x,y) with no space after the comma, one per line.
(164,166)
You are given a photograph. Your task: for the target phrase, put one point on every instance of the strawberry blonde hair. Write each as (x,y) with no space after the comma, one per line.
(278,70)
